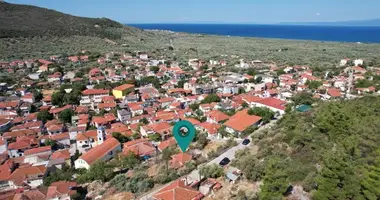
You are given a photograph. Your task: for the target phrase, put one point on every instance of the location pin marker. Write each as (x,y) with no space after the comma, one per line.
(184,132)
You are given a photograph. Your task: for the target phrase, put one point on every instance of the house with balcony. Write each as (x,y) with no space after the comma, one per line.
(92,98)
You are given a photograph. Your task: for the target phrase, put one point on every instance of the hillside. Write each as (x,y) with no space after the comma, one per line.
(332,152)
(32,32)
(28,21)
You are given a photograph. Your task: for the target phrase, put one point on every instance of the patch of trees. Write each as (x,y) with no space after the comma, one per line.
(210,98)
(211,171)
(265,113)
(61,98)
(332,152)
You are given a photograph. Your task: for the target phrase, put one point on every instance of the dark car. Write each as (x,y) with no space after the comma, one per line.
(246,141)
(225,161)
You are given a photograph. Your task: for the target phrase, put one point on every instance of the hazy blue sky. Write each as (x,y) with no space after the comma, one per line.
(225,11)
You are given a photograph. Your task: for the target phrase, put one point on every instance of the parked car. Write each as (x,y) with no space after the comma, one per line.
(225,161)
(246,141)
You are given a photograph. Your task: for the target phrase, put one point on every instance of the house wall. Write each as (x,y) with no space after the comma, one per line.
(271,108)
(79,163)
(64,141)
(3,148)
(15,153)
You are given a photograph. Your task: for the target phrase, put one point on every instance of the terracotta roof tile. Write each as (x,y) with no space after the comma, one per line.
(242,120)
(100,150)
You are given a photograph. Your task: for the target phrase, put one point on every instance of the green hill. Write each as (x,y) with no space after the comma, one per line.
(332,152)
(28,21)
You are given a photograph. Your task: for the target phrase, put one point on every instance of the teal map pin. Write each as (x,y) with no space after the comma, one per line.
(184,132)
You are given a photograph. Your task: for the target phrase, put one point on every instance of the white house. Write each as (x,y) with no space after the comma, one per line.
(358,62)
(92,97)
(105,151)
(344,62)
(3,145)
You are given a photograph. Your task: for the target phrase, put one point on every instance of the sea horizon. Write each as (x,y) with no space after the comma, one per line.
(328,33)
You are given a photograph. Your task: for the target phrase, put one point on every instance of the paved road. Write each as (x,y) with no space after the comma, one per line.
(230,153)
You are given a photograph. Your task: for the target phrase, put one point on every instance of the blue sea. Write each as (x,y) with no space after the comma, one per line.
(370,34)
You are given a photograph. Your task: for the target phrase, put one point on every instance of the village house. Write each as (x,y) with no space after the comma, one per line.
(140,147)
(179,160)
(104,152)
(123,90)
(31,176)
(92,138)
(162,128)
(178,190)
(241,121)
(37,155)
(92,97)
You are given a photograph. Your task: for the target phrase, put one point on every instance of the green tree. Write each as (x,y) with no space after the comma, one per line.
(276,181)
(155,137)
(98,171)
(120,137)
(44,116)
(241,90)
(50,142)
(265,113)
(211,171)
(64,174)
(313,85)
(201,139)
(211,98)
(144,121)
(258,79)
(370,186)
(194,106)
(130,161)
(37,95)
(303,98)
(57,99)
(154,69)
(251,72)
(204,67)
(65,116)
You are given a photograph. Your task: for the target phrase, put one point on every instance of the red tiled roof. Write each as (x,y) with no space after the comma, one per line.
(242,120)
(95,92)
(210,127)
(19,133)
(167,143)
(217,115)
(65,154)
(140,147)
(60,136)
(22,174)
(100,150)
(158,127)
(107,105)
(177,190)
(60,188)
(58,110)
(179,160)
(193,121)
(333,92)
(37,150)
(124,87)
(272,102)
(89,134)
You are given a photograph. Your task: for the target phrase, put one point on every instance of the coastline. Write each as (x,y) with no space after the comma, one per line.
(346,34)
